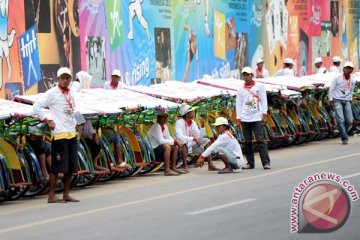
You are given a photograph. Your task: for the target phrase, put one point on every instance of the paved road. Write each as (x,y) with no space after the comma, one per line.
(253,204)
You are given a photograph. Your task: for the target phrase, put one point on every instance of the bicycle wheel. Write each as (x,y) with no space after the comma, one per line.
(38,183)
(129,157)
(18,190)
(85,179)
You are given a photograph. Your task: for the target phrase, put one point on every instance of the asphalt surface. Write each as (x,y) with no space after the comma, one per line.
(252,204)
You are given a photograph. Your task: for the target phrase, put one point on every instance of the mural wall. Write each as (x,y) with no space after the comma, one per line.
(158,40)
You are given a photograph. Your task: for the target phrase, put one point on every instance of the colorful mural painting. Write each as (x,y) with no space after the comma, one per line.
(159,40)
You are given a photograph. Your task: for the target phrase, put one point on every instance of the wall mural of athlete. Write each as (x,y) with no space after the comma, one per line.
(135,9)
(6,39)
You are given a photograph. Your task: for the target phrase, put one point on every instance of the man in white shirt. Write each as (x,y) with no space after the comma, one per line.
(287,69)
(251,111)
(336,64)
(318,66)
(227,146)
(115,82)
(165,147)
(188,133)
(340,96)
(61,104)
(260,71)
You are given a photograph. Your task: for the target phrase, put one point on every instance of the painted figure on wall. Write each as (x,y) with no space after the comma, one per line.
(6,39)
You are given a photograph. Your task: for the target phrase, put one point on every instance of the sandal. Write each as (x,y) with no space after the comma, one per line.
(56,200)
(171,173)
(124,165)
(71,200)
(213,168)
(225,170)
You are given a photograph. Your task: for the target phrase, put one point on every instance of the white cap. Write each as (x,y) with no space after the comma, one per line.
(185,108)
(260,60)
(63,70)
(318,60)
(246,70)
(116,72)
(221,121)
(161,111)
(288,61)
(337,59)
(349,64)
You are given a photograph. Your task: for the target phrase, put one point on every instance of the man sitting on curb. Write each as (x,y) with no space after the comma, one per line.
(227,146)
(165,147)
(187,132)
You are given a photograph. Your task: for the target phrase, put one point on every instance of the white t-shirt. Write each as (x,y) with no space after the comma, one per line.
(263,74)
(342,89)
(158,136)
(334,69)
(185,133)
(284,72)
(108,86)
(226,140)
(321,70)
(62,108)
(251,103)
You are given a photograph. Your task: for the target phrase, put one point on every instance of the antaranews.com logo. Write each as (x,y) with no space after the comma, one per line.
(321,203)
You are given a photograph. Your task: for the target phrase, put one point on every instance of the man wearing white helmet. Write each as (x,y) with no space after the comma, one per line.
(336,64)
(287,69)
(61,103)
(260,71)
(340,97)
(318,66)
(227,146)
(251,111)
(115,82)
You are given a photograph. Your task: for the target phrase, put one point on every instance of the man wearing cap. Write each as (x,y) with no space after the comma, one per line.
(165,147)
(251,111)
(287,69)
(340,97)
(115,82)
(188,133)
(227,146)
(318,66)
(61,104)
(260,71)
(336,64)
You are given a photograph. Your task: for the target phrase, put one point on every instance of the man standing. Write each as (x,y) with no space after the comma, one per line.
(115,82)
(340,97)
(318,66)
(251,110)
(287,69)
(260,71)
(336,64)
(61,104)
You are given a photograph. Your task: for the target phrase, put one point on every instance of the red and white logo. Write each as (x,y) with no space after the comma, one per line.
(325,207)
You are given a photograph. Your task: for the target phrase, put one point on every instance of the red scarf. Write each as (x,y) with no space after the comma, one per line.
(162,129)
(347,78)
(64,90)
(188,122)
(259,72)
(347,82)
(249,86)
(114,85)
